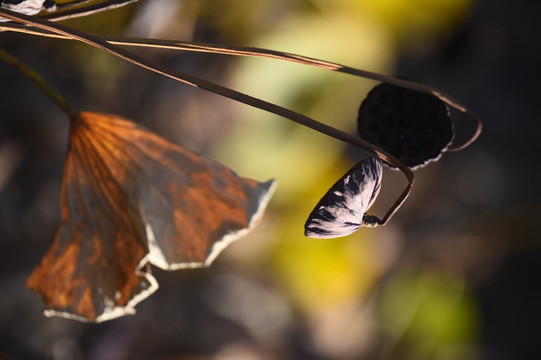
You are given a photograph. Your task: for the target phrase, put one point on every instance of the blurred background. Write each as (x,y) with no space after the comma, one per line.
(454,275)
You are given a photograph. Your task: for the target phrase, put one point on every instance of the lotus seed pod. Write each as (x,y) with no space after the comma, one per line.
(412,126)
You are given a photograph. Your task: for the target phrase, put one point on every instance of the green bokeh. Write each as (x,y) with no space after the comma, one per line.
(428,312)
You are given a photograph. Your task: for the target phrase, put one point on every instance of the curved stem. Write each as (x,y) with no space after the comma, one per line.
(223,91)
(72,4)
(76,9)
(28,72)
(273,54)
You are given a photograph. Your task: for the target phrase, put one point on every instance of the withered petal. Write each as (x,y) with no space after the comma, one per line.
(130,197)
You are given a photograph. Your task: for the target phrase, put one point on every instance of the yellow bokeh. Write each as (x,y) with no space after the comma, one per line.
(415,22)
(314,273)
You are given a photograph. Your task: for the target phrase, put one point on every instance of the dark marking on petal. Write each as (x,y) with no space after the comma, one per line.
(340,215)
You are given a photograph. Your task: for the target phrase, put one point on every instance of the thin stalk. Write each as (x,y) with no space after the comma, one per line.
(28,72)
(223,91)
(76,9)
(272,54)
(72,4)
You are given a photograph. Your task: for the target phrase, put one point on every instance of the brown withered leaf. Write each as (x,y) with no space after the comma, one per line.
(130,198)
